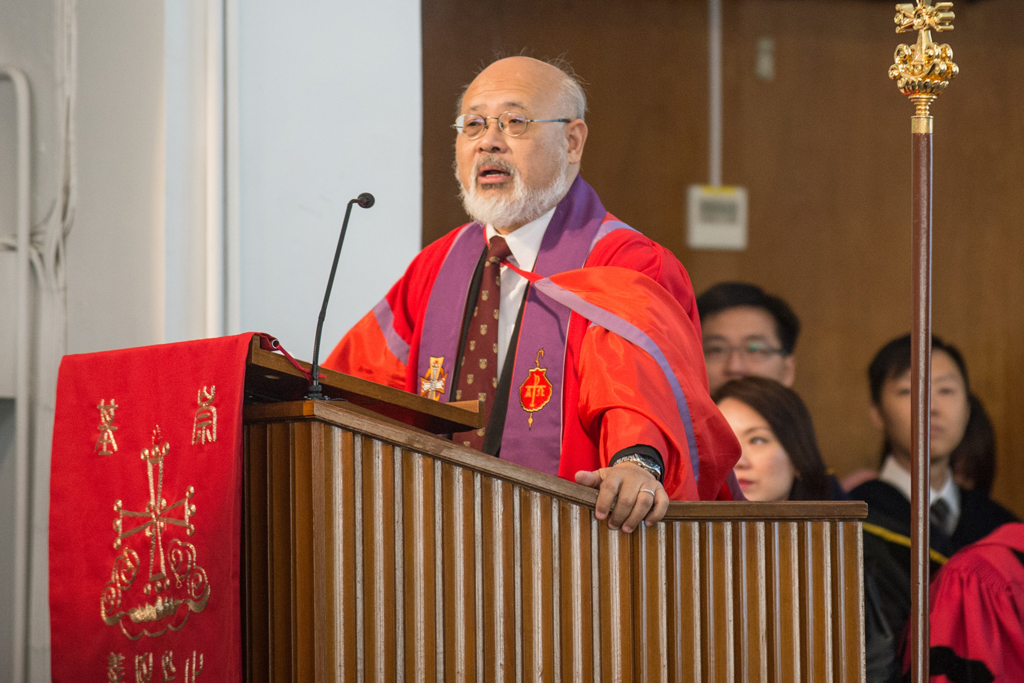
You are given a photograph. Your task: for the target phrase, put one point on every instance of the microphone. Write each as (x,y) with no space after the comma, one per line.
(365,201)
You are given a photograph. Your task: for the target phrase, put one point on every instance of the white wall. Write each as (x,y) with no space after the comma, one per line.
(316,81)
(27,43)
(330,102)
(115,249)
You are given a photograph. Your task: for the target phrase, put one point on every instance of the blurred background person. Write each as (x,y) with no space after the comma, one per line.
(973,461)
(780,458)
(976,624)
(959,515)
(747,332)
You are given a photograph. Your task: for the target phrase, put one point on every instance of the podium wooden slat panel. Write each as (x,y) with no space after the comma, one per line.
(375,552)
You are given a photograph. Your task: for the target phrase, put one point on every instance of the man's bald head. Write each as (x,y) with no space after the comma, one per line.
(509,178)
(555,78)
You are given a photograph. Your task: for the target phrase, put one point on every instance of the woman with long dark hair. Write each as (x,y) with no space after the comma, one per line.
(780,458)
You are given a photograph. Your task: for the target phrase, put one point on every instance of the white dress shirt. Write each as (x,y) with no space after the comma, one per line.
(524,244)
(898,476)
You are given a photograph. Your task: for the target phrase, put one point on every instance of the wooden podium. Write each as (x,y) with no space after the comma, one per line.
(376,551)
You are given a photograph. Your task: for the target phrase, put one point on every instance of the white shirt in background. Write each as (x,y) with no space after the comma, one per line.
(898,476)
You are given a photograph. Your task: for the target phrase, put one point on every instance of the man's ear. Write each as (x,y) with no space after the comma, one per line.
(789,371)
(876,417)
(576,135)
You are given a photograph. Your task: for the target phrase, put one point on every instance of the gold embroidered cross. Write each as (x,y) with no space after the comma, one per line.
(156,515)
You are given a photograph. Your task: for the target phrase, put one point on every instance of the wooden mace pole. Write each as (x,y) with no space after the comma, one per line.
(920,397)
(922,71)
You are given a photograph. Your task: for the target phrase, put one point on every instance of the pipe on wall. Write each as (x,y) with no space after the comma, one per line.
(215,223)
(715,92)
(23,361)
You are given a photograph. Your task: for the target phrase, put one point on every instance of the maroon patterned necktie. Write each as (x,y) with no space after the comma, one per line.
(478,373)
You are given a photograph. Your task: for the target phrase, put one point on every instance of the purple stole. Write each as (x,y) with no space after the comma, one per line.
(532,439)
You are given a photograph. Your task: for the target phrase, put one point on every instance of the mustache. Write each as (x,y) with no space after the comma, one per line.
(496,162)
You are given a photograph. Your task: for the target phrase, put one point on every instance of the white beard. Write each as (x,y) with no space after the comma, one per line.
(523,205)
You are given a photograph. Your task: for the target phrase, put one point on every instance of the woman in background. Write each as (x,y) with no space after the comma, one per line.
(959,515)
(973,461)
(780,459)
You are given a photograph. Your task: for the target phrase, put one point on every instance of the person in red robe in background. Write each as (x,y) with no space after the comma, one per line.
(976,624)
(580,336)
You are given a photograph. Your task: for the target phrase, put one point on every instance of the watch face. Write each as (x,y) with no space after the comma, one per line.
(647,463)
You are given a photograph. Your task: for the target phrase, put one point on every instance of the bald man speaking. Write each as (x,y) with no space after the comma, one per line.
(579,334)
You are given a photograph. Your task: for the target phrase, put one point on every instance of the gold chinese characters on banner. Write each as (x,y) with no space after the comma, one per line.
(144,669)
(106,444)
(204,426)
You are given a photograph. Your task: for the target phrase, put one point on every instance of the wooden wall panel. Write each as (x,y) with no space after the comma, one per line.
(824,150)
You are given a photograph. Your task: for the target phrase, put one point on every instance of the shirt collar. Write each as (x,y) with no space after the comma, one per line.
(524,243)
(898,476)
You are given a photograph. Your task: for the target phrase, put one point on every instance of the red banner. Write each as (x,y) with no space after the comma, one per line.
(145,514)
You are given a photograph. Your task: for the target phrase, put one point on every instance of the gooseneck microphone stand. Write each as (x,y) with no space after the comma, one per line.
(315,393)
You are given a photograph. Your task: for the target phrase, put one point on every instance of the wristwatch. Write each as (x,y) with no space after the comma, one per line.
(648,463)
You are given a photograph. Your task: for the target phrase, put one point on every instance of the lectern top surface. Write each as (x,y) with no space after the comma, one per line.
(271,378)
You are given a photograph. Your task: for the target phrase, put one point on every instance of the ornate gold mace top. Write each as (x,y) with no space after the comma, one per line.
(923,70)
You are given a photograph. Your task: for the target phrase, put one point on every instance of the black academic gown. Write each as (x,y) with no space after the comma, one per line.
(887,562)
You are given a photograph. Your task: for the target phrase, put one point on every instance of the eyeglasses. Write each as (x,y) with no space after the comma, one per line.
(510,123)
(754,353)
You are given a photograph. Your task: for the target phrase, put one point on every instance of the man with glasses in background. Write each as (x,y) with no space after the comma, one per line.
(747,332)
(586,372)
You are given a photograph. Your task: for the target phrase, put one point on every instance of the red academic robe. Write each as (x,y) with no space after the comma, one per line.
(615,394)
(977,611)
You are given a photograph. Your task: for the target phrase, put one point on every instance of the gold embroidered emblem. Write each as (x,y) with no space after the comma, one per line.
(484,294)
(432,383)
(176,585)
(472,345)
(106,444)
(204,427)
(536,390)
(483,330)
(483,363)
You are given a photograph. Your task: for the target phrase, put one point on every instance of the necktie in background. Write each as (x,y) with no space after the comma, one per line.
(940,512)
(478,374)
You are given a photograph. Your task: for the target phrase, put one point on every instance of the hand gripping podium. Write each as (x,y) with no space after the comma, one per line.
(374,550)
